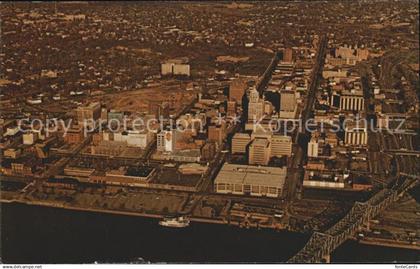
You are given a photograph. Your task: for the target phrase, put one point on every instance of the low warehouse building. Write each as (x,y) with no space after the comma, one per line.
(127,176)
(251,180)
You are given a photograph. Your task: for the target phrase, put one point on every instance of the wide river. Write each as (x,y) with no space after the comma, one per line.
(33,234)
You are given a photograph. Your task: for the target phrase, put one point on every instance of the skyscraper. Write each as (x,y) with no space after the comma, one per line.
(259,152)
(281,145)
(240,142)
(255,105)
(255,110)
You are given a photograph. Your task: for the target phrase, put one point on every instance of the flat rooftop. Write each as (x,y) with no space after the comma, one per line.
(171,176)
(131,171)
(138,171)
(253,175)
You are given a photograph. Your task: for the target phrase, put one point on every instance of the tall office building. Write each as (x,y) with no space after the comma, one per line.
(281,146)
(313,148)
(255,110)
(240,142)
(166,140)
(259,152)
(255,105)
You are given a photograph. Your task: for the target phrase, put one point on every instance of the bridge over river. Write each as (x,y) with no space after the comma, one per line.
(321,244)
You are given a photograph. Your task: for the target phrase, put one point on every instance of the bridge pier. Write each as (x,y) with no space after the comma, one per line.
(358,217)
(326,258)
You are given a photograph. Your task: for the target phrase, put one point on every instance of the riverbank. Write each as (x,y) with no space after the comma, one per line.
(39,234)
(157,205)
(139,214)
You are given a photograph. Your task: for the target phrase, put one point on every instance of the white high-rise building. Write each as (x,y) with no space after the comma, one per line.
(281,145)
(259,152)
(166,140)
(313,148)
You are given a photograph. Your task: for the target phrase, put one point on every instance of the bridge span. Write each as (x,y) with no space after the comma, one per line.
(322,244)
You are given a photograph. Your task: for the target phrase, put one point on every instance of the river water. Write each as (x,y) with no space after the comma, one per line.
(33,234)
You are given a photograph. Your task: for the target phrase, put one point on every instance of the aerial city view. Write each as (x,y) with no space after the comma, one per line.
(210,132)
